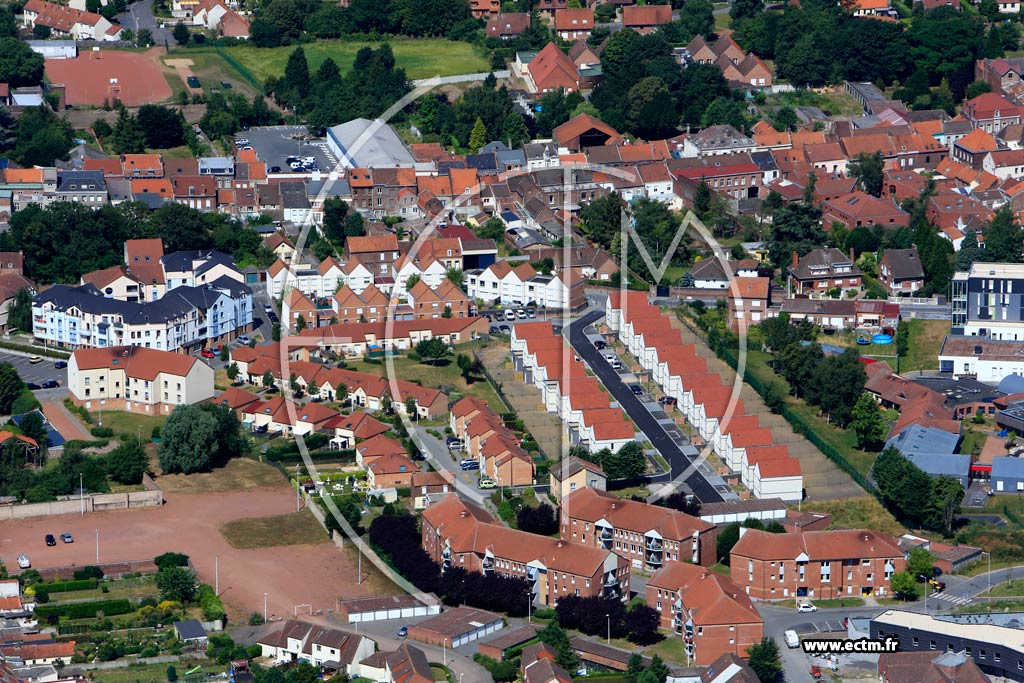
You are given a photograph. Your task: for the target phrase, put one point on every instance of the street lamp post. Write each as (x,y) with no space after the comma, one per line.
(989,574)
(609,618)
(81,493)
(264,608)
(216,574)
(97,546)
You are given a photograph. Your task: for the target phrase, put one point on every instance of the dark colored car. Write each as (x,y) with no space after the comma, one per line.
(667,400)
(32,386)
(273,317)
(60,364)
(50,384)
(636,389)
(600,345)
(193,82)
(50,540)
(275,169)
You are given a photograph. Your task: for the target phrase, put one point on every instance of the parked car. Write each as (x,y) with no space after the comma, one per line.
(207,353)
(468,465)
(32,386)
(487,483)
(600,345)
(495,329)
(610,357)
(60,364)
(792,639)
(667,400)
(506,329)
(806,607)
(67,538)
(531,313)
(273,317)
(242,141)
(402,632)
(936,572)
(50,384)
(636,389)
(521,314)
(35,359)
(23,562)
(616,365)
(243,339)
(455,446)
(275,169)
(449,440)
(50,540)
(510,314)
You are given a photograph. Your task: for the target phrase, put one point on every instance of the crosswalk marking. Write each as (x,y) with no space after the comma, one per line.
(950,598)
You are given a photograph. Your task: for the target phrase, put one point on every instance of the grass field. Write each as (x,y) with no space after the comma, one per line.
(859,513)
(1014,588)
(420,57)
(123,422)
(141,587)
(240,473)
(837,102)
(925,339)
(838,602)
(156,673)
(295,528)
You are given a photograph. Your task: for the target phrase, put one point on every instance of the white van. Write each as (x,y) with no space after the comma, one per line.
(792,639)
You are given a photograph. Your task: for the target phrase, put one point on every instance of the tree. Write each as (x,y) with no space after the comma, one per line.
(177,584)
(128,136)
(920,561)
(431,350)
(128,462)
(904,488)
(726,539)
(478,137)
(413,280)
(42,137)
(641,624)
(540,520)
(11,387)
(19,64)
(181,33)
(172,673)
(650,112)
(1004,240)
(702,199)
(765,660)
(696,17)
(34,428)
(657,670)
(20,314)
(296,85)
(785,119)
(904,586)
(188,441)
(797,363)
(300,323)
(555,636)
(144,38)
(514,132)
(746,9)
(267,380)
(867,423)
(629,461)
(867,168)
(167,560)
(943,506)
(838,382)
(465,364)
(162,127)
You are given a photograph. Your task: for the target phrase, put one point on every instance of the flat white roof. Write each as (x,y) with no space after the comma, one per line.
(1001,635)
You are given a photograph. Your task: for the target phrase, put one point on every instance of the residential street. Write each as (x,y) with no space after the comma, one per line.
(442,459)
(140,15)
(655,432)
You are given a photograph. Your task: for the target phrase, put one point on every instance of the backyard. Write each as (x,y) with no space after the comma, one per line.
(859,513)
(420,57)
(239,473)
(925,340)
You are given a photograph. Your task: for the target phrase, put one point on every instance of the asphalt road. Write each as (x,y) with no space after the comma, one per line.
(700,487)
(140,15)
(443,459)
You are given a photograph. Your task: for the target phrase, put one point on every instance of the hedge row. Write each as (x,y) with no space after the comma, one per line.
(35,351)
(68,586)
(85,610)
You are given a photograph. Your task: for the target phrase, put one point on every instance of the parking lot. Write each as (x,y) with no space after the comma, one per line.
(35,372)
(273,145)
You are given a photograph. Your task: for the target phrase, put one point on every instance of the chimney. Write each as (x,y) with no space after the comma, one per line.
(851,255)
(796,259)
(703,575)
(464,514)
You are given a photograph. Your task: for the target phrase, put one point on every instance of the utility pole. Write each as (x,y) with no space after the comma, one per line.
(264,608)
(216,574)
(97,546)
(81,493)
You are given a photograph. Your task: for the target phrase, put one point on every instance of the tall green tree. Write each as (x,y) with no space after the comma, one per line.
(11,387)
(296,77)
(478,137)
(128,136)
(188,441)
(19,64)
(765,660)
(19,315)
(555,636)
(867,423)
(128,462)
(867,169)
(1004,241)
(514,132)
(181,33)
(42,137)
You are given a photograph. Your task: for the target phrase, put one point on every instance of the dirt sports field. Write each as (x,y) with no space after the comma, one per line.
(87,78)
(189,523)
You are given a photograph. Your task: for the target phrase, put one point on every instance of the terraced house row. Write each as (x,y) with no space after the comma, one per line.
(548,363)
(765,468)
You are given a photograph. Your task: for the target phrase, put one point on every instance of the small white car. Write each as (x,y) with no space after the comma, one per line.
(806,607)
(510,314)
(23,562)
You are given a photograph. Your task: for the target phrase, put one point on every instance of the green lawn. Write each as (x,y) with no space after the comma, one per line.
(859,513)
(420,57)
(293,528)
(1014,588)
(838,102)
(123,422)
(141,587)
(839,602)
(722,21)
(156,673)
(925,339)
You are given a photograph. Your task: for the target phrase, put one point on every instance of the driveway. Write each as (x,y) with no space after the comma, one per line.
(638,412)
(443,459)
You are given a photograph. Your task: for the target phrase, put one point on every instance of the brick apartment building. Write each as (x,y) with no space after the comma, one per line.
(707,610)
(648,536)
(815,564)
(459,534)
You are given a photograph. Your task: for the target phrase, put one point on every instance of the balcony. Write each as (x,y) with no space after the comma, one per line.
(611,580)
(654,545)
(654,559)
(487,564)
(606,534)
